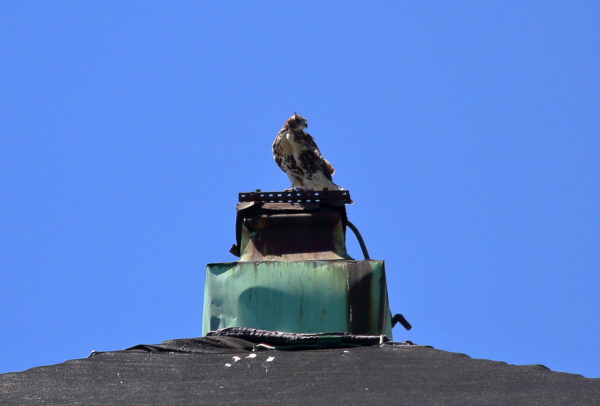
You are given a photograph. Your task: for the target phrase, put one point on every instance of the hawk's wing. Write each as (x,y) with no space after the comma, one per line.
(281,149)
(310,141)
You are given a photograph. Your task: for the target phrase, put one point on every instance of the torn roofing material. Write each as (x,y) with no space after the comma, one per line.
(194,371)
(251,339)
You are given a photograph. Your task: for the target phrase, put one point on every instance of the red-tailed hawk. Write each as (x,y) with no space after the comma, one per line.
(297,154)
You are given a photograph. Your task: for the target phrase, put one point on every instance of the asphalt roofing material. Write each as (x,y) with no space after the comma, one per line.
(233,371)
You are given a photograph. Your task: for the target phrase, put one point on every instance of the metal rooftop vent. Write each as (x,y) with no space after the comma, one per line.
(294,273)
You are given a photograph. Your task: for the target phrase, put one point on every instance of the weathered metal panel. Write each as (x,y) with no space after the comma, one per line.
(298,296)
(290,231)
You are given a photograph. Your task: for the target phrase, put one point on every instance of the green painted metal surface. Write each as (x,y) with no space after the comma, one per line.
(298,296)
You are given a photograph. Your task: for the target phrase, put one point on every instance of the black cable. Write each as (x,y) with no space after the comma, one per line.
(361,242)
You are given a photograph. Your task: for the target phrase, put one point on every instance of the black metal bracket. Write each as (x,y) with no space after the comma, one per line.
(398,318)
(297,196)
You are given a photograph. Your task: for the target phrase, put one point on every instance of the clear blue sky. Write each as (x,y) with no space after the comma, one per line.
(467,131)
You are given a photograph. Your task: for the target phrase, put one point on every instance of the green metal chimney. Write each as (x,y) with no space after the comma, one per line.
(294,274)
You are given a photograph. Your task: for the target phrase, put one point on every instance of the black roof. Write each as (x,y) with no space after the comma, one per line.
(226,371)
